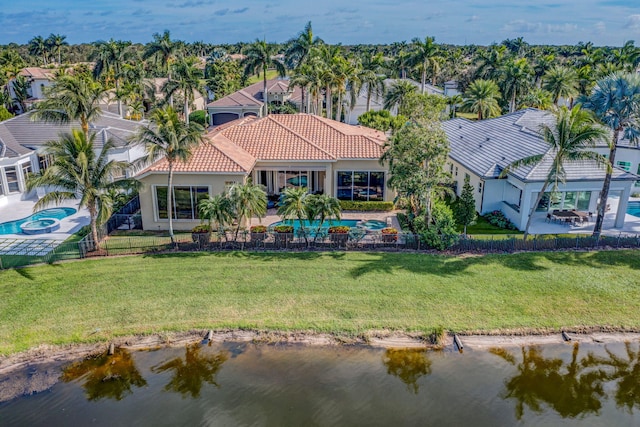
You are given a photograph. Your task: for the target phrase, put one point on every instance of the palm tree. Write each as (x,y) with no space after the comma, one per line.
(346,78)
(516,75)
(308,78)
(536,98)
(173,139)
(187,81)
(217,210)
(561,82)
(56,41)
(322,207)
(294,205)
(248,200)
(78,173)
(110,58)
(299,48)
(329,58)
(615,100)
(259,57)
(482,97)
(165,51)
(397,93)
(569,139)
(371,77)
(422,55)
(70,98)
(38,47)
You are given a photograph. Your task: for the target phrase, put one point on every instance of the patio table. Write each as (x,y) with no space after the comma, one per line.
(571,216)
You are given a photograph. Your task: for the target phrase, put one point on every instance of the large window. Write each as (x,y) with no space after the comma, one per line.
(44,161)
(185,201)
(578,200)
(360,185)
(12,179)
(624,165)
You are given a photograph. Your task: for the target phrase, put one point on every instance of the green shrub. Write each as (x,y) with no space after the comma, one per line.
(283,228)
(348,205)
(442,233)
(498,219)
(258,229)
(339,229)
(200,117)
(202,228)
(635,194)
(403,219)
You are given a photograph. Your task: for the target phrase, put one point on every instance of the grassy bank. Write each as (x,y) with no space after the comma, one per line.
(331,292)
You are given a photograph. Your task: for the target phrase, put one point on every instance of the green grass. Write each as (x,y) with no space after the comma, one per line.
(271,74)
(327,292)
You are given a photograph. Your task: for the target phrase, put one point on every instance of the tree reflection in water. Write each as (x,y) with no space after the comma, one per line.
(106,376)
(408,365)
(572,389)
(190,373)
(625,371)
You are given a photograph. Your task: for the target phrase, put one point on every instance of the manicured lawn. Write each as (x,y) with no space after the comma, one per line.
(271,74)
(331,292)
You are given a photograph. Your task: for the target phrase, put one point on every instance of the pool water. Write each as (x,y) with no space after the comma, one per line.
(633,208)
(312,225)
(13,227)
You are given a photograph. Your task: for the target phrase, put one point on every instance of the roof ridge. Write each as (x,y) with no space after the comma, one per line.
(236,146)
(308,141)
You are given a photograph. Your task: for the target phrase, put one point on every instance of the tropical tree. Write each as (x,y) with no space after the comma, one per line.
(77,173)
(536,98)
(164,51)
(173,139)
(561,82)
(422,56)
(38,47)
(320,208)
(615,100)
(187,81)
(569,140)
(294,205)
(55,42)
(482,98)
(248,200)
(71,97)
(516,75)
(371,77)
(299,48)
(216,210)
(397,93)
(110,58)
(259,57)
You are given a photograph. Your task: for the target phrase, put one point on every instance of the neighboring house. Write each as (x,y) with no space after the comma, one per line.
(39,79)
(22,140)
(249,101)
(278,151)
(482,149)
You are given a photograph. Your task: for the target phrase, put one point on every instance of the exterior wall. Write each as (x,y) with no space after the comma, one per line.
(150,220)
(625,154)
(16,162)
(37,86)
(458,173)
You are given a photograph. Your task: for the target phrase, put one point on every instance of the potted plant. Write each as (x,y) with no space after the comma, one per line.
(201,234)
(339,234)
(284,233)
(258,233)
(389,235)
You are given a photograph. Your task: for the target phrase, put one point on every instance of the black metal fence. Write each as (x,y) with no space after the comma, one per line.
(272,241)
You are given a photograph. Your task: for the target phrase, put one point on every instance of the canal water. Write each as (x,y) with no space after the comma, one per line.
(284,385)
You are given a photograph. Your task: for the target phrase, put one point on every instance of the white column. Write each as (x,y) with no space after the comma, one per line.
(622,206)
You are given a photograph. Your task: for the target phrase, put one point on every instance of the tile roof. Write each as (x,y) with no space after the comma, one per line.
(486,147)
(238,145)
(37,73)
(252,94)
(20,135)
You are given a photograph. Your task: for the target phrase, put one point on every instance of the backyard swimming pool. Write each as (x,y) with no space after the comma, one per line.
(369,225)
(13,227)
(633,208)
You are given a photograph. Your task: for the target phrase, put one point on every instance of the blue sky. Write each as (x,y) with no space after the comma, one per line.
(604,22)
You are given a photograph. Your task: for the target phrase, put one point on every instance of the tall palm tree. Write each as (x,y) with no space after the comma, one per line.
(56,41)
(165,51)
(173,139)
(575,131)
(259,57)
(490,62)
(561,82)
(70,98)
(78,173)
(536,98)
(371,77)
(481,97)
(397,93)
(615,100)
(187,77)
(422,55)
(299,48)
(329,58)
(248,200)
(110,58)
(346,78)
(308,78)
(294,205)
(38,47)
(516,79)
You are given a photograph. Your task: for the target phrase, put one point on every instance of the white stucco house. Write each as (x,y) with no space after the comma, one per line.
(22,140)
(482,149)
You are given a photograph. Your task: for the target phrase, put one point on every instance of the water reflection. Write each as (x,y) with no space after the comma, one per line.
(570,388)
(190,373)
(408,365)
(110,377)
(625,371)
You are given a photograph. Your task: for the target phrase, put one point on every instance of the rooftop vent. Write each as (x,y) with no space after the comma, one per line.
(488,138)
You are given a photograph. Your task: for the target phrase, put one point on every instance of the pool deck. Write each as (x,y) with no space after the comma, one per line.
(23,208)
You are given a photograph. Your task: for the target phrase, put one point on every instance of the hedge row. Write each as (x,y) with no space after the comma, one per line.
(348,205)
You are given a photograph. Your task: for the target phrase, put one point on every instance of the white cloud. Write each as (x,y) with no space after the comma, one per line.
(633,22)
(561,28)
(522,26)
(600,27)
